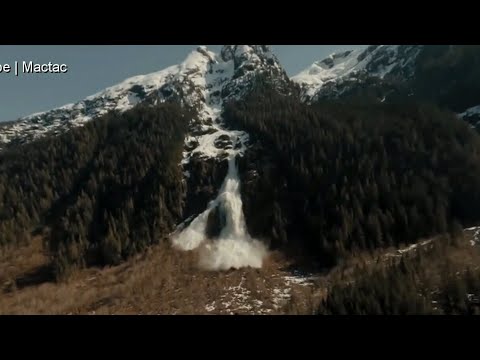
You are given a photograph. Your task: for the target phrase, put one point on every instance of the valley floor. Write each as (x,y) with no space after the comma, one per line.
(161,281)
(167,281)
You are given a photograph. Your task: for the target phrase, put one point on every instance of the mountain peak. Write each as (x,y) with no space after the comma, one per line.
(230,52)
(207,53)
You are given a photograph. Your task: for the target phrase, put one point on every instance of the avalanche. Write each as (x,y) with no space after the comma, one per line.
(234,248)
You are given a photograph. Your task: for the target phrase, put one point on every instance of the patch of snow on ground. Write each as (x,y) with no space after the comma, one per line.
(413,247)
(281,297)
(210,307)
(299,278)
(238,299)
(475,236)
(273,297)
(471,111)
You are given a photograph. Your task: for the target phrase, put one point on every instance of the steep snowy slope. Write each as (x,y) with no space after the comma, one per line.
(446,75)
(380,61)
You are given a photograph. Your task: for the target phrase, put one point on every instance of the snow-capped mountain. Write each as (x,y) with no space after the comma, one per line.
(332,76)
(201,161)
(204,81)
(445,75)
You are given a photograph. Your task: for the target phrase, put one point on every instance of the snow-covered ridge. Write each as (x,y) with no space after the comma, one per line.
(471,115)
(215,78)
(375,61)
(186,82)
(475,110)
(335,66)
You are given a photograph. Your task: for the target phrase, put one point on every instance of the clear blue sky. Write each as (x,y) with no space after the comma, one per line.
(93,68)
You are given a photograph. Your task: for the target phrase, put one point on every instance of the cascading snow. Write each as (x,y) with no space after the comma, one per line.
(234,248)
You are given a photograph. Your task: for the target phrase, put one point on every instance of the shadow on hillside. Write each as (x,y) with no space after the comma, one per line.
(37,276)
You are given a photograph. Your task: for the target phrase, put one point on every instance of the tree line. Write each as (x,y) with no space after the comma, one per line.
(426,282)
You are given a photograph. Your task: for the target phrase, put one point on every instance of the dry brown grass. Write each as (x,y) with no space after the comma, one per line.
(166,281)
(23,266)
(160,281)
